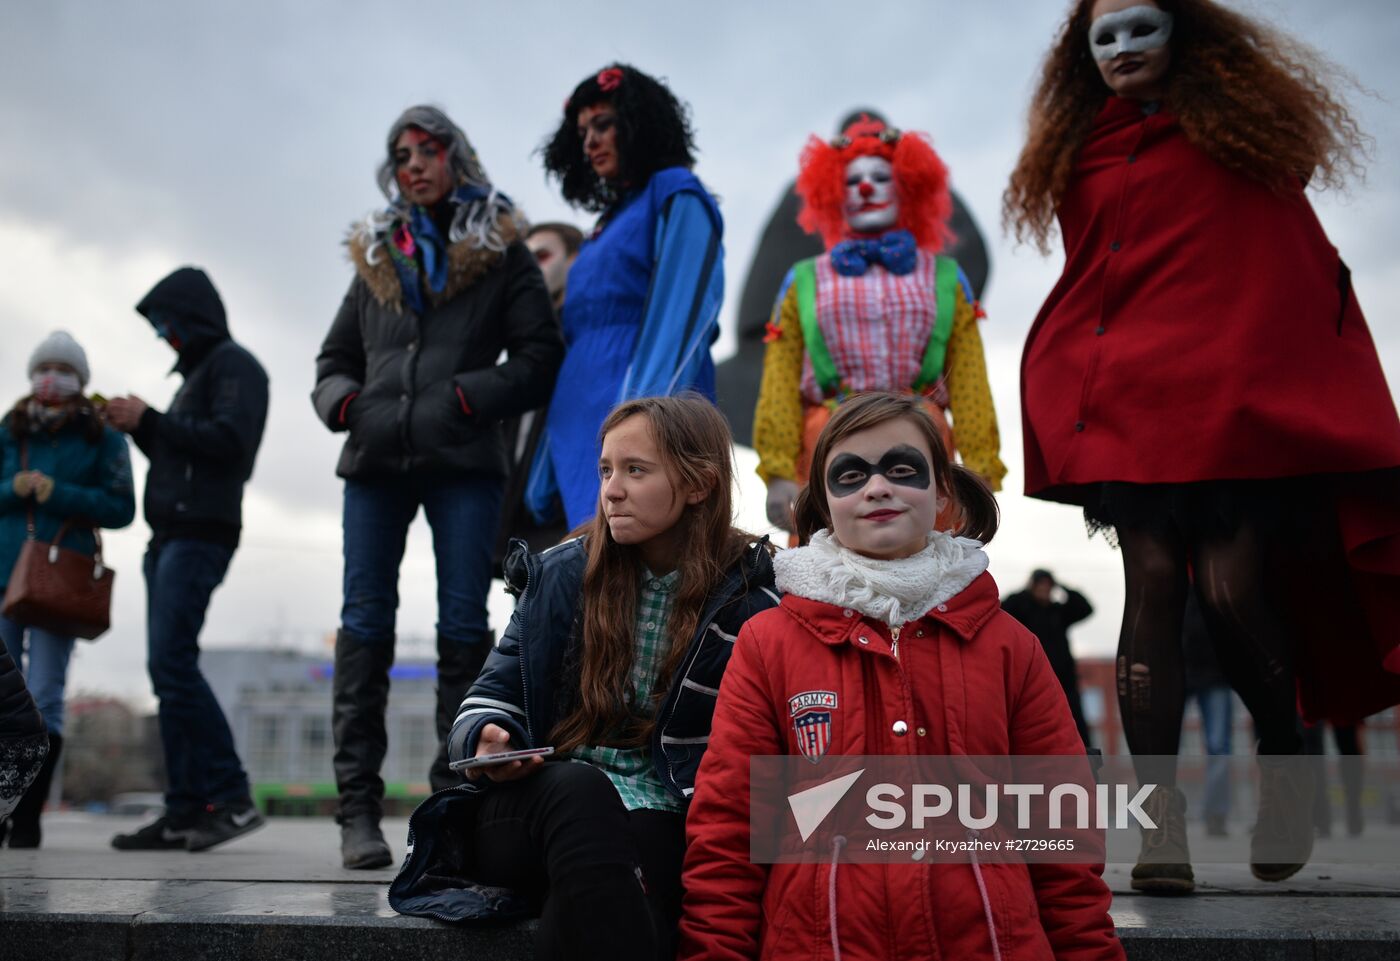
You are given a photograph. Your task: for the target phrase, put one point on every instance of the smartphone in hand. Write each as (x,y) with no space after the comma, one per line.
(501,757)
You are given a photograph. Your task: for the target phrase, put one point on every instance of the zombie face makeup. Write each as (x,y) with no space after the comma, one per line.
(872,204)
(421,168)
(881,490)
(1134,30)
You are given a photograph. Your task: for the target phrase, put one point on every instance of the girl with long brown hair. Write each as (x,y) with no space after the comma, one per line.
(613,659)
(1201,381)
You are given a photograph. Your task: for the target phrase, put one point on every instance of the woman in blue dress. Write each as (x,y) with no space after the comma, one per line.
(642,302)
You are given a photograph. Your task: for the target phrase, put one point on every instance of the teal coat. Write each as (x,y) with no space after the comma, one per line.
(92,481)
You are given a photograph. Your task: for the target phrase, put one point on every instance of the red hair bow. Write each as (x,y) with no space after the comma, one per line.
(610,79)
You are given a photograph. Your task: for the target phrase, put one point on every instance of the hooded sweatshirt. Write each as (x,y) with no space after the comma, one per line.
(203,447)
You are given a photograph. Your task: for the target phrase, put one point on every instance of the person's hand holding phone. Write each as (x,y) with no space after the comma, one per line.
(495,740)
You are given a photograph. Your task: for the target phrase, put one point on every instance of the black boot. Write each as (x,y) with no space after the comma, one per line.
(360,695)
(362,844)
(459,663)
(24,822)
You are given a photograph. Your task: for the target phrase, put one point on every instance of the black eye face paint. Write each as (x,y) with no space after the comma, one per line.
(902,465)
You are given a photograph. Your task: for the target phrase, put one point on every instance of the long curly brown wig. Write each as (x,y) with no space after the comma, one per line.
(1252,98)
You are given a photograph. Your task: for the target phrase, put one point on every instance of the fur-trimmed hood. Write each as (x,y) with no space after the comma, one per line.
(466,261)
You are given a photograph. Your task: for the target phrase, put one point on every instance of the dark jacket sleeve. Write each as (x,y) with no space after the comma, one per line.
(533,341)
(1076,607)
(111,501)
(340,367)
(497,697)
(229,430)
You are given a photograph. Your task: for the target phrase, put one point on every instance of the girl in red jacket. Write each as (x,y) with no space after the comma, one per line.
(899,623)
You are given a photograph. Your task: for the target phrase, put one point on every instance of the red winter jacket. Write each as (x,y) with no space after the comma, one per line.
(969,680)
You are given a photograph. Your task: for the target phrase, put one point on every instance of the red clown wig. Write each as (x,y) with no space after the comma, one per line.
(921,183)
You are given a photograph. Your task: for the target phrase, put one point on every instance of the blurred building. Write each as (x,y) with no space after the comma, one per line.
(278,703)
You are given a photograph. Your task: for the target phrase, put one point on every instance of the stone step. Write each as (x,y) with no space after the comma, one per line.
(316,921)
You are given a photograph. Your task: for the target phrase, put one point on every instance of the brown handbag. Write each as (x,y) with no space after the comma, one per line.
(57,589)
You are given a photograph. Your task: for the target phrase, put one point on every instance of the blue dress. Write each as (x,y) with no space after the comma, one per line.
(640,314)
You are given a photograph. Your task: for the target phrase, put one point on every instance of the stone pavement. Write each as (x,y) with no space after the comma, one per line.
(280,893)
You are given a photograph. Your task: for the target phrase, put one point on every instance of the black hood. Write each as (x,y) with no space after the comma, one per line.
(189,294)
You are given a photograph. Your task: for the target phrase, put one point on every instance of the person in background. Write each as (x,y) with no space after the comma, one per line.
(443,284)
(201,452)
(58,463)
(643,297)
(555,246)
(1050,619)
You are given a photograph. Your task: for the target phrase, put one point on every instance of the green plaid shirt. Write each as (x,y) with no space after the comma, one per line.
(631,770)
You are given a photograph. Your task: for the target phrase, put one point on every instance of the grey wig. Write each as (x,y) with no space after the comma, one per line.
(478,221)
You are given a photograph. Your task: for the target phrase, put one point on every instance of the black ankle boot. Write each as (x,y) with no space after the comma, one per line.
(362,844)
(24,822)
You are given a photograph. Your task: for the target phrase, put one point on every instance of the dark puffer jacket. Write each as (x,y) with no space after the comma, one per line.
(202,449)
(519,690)
(424,392)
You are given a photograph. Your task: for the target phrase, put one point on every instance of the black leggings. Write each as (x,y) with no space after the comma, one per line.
(1253,641)
(609,879)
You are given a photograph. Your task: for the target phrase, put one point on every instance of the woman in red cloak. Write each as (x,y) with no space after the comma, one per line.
(1202,382)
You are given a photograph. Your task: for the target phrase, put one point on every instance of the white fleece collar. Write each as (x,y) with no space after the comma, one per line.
(895,592)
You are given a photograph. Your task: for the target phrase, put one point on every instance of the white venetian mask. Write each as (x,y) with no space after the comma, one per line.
(1129,31)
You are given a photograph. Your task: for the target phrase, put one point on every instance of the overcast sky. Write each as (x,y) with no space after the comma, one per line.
(243,137)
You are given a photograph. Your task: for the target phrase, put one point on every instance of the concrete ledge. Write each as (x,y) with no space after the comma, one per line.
(352,922)
(281,893)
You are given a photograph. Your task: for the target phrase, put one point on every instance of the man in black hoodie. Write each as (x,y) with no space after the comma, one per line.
(201,452)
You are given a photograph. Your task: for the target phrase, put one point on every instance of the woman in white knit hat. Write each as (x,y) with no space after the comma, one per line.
(57,461)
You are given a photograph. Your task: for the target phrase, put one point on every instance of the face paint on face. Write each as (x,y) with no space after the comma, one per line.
(554,260)
(872,204)
(902,465)
(421,168)
(1134,30)
(597,129)
(881,491)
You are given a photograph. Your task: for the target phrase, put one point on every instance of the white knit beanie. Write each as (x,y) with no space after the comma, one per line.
(60,348)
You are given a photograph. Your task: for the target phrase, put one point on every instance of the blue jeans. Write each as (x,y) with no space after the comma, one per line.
(201,764)
(1217,716)
(44,661)
(464,514)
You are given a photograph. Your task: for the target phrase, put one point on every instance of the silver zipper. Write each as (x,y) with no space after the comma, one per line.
(894,642)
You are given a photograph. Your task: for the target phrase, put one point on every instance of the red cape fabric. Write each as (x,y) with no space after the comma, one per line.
(1204,328)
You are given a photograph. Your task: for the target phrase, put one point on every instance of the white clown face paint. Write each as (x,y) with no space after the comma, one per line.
(872,204)
(1134,30)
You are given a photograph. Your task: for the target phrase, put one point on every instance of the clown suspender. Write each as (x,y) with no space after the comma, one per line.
(804,279)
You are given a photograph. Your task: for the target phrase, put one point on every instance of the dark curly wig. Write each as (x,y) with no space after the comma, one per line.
(653,133)
(1252,98)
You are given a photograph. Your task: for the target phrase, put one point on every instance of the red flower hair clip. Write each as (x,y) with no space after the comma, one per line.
(610,79)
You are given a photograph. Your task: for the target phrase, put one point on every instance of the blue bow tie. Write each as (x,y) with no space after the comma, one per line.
(895,251)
